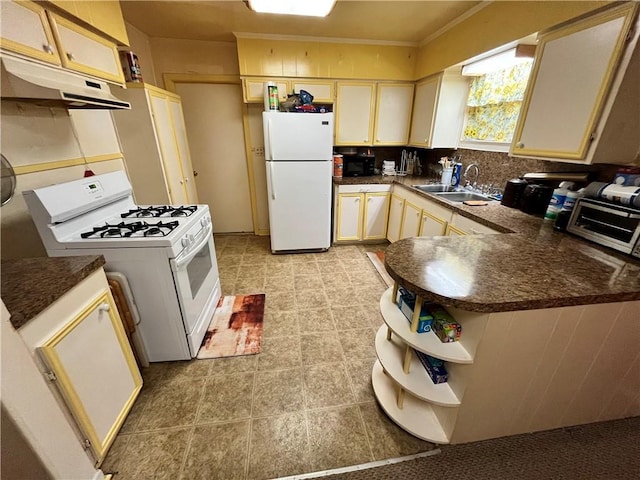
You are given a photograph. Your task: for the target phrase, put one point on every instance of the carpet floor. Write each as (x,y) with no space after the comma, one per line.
(597,451)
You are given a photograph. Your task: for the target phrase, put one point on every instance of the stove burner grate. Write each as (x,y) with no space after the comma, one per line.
(161,211)
(127,230)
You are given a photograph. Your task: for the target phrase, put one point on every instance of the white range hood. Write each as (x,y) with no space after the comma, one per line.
(52,87)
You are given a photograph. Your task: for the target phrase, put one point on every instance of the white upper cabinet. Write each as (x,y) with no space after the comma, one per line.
(438,111)
(26,31)
(84,51)
(354,113)
(578,72)
(393,113)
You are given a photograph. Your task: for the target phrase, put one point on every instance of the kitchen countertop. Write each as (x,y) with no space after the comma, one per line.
(530,266)
(30,285)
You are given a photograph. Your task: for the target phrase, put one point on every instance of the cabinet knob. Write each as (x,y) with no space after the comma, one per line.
(186,180)
(357,199)
(70,56)
(104,307)
(520,145)
(48,48)
(181,182)
(195,173)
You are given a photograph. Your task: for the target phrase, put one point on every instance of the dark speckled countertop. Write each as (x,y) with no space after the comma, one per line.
(30,285)
(530,266)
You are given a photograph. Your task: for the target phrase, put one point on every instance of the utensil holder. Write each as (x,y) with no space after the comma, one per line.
(447,173)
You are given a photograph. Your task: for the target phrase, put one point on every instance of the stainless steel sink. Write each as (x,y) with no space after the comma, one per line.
(460,196)
(434,188)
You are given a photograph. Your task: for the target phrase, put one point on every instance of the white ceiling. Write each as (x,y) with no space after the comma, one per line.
(382,20)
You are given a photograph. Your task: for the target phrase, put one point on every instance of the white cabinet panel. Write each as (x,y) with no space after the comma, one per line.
(432,226)
(254,89)
(350,216)
(375,216)
(393,113)
(563,104)
(322,91)
(396,208)
(411,217)
(354,113)
(25,30)
(84,51)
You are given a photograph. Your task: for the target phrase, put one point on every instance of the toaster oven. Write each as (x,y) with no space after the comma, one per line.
(609,224)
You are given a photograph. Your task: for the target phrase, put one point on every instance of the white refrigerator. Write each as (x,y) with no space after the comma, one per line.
(298,150)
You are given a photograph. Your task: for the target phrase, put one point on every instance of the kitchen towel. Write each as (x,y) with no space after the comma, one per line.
(236,327)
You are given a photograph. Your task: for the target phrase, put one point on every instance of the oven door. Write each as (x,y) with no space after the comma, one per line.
(195,272)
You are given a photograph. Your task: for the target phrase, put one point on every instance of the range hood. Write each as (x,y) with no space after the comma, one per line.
(32,82)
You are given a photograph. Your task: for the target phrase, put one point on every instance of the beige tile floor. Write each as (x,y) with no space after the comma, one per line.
(303,404)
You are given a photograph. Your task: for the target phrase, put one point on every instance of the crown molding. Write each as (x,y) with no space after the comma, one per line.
(456,21)
(303,38)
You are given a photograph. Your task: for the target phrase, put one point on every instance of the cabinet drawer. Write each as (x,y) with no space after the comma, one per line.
(84,51)
(364,188)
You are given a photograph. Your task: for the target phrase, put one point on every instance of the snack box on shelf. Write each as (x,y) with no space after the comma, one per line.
(434,367)
(407,301)
(444,326)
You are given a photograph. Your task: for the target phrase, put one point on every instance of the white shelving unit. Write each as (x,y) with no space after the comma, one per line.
(400,382)
(416,417)
(417,381)
(427,342)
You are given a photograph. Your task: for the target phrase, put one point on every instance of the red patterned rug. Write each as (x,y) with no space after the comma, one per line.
(236,327)
(377,258)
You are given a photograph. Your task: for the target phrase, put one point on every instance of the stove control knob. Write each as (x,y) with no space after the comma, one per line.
(185,241)
(192,239)
(203,221)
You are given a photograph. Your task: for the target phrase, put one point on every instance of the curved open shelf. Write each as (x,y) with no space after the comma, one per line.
(417,381)
(416,417)
(427,342)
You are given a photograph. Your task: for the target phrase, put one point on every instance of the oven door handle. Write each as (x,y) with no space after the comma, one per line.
(194,249)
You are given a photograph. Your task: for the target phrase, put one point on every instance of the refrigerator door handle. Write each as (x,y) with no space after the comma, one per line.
(273,189)
(271,157)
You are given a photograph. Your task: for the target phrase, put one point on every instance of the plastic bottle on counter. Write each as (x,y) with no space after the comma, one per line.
(565,214)
(557,200)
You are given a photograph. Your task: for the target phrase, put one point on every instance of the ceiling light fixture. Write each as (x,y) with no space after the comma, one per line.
(508,58)
(309,8)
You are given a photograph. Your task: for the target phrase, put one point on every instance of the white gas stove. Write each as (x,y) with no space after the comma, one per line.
(166,252)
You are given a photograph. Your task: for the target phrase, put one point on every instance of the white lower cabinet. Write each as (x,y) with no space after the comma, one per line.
(86,356)
(361,212)
(411,216)
(395,217)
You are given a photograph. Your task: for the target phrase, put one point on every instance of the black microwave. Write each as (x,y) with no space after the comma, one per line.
(358,165)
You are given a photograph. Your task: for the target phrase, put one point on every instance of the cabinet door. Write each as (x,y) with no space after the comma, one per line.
(432,226)
(25,30)
(393,113)
(354,113)
(253,89)
(453,231)
(563,104)
(411,217)
(322,91)
(180,134)
(84,51)
(376,211)
(395,218)
(96,372)
(424,111)
(106,16)
(170,157)
(350,207)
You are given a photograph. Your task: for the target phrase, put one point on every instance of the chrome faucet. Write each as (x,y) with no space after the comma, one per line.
(466,176)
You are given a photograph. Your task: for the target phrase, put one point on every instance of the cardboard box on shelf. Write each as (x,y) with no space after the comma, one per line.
(444,326)
(407,301)
(434,367)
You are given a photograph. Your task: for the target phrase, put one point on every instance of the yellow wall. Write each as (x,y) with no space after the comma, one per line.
(193,57)
(287,58)
(495,25)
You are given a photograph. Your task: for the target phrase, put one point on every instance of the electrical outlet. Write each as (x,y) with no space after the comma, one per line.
(259,151)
